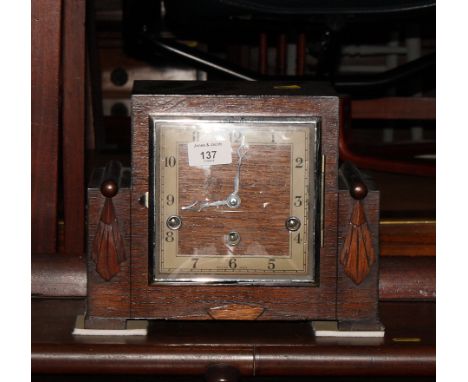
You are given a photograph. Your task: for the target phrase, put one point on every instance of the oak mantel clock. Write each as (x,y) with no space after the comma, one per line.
(234,208)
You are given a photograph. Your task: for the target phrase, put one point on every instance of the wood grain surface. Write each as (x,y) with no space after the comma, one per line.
(73,125)
(235,312)
(408,238)
(400,277)
(358,302)
(108,299)
(46,29)
(407,278)
(253,348)
(287,303)
(108,247)
(265,204)
(357,255)
(409,108)
(59,276)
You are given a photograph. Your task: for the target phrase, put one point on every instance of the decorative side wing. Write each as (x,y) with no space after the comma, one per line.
(108,250)
(108,247)
(357,254)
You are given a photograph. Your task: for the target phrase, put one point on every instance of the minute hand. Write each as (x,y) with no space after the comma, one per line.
(233,200)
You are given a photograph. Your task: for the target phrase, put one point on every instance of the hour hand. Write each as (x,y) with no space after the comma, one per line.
(198,206)
(233,200)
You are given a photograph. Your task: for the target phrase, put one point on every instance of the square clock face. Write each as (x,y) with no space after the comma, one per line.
(234,200)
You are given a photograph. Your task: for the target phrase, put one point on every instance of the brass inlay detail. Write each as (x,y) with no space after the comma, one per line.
(406,339)
(235,312)
(402,222)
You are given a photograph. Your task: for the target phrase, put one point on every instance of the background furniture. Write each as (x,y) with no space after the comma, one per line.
(71,72)
(58,126)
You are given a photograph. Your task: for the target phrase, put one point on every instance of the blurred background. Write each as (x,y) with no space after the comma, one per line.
(379,55)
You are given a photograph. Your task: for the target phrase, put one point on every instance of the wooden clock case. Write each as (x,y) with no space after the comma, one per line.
(129,292)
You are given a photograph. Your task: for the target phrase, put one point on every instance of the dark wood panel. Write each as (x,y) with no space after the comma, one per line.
(149,359)
(59,276)
(363,361)
(73,117)
(419,108)
(408,238)
(407,278)
(45,74)
(406,197)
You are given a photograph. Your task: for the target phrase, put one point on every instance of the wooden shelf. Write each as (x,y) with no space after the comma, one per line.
(254,348)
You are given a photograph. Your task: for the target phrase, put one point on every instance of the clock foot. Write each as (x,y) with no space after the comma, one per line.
(100,326)
(364,325)
(105,323)
(369,329)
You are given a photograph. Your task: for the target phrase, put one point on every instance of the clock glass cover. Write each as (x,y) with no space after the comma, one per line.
(234,200)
